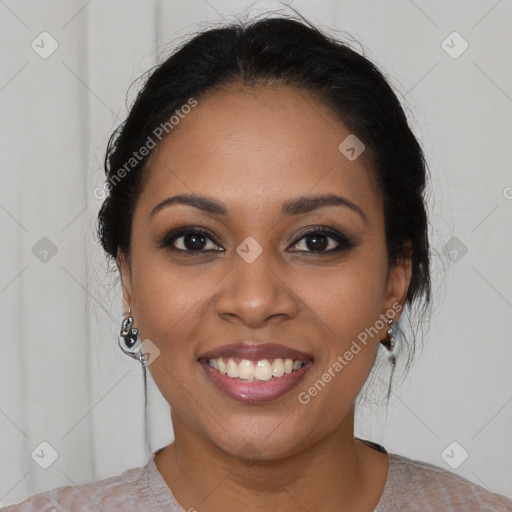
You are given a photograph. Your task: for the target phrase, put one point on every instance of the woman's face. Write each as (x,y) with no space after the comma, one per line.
(265,274)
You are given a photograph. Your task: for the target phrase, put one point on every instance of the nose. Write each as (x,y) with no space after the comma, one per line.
(255,294)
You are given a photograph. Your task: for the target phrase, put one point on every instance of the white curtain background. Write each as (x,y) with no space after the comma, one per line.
(64,381)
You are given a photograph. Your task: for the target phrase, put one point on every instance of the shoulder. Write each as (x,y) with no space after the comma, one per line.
(416,485)
(122,492)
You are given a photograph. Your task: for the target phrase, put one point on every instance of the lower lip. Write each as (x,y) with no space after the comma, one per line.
(255,391)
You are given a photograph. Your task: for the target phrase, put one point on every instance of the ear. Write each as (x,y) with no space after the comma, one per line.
(397,284)
(124,267)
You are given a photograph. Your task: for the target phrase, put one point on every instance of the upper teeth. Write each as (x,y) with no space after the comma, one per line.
(250,370)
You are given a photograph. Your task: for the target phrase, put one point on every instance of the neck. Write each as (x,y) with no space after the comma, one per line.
(332,474)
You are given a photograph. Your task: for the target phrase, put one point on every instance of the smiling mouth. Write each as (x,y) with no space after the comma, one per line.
(259,370)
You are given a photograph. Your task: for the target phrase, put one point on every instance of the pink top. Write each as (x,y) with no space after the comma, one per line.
(411,485)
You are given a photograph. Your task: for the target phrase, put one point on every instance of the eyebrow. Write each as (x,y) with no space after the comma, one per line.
(300,205)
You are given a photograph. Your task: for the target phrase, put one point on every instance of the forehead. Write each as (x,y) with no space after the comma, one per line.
(255,146)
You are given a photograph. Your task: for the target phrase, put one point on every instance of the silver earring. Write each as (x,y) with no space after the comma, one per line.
(128,338)
(129,335)
(389,343)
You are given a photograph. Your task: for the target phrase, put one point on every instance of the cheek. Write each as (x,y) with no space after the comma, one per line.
(348,299)
(171,310)
(347,304)
(170,301)
(165,293)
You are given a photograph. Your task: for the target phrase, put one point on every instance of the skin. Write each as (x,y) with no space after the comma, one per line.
(252,149)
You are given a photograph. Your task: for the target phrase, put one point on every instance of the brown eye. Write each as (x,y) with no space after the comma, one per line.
(189,240)
(322,240)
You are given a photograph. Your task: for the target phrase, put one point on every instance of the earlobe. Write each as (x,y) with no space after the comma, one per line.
(398,283)
(405,271)
(123,266)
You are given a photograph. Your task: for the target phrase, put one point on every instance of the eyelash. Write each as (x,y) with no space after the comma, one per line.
(344,242)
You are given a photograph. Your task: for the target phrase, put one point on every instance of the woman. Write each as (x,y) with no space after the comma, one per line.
(267,217)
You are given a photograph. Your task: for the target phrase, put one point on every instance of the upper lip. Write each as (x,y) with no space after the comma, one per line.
(252,351)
